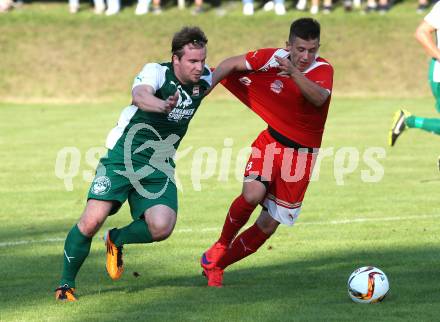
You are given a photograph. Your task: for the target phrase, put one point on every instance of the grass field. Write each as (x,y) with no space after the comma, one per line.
(300,274)
(63,83)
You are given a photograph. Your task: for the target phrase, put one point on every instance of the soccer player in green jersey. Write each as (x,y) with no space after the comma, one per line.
(139,165)
(424,34)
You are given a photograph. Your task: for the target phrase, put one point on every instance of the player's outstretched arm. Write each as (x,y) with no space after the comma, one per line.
(228,66)
(143,97)
(424,35)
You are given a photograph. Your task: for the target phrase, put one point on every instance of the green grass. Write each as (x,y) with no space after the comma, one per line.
(299,274)
(70,76)
(51,55)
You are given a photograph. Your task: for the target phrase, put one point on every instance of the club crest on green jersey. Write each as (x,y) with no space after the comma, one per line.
(101,185)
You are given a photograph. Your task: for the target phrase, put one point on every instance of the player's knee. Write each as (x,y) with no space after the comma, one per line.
(160,229)
(253,192)
(253,197)
(89,227)
(94,215)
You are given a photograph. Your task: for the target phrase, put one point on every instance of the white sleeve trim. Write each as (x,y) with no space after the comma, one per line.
(248,66)
(152,74)
(433,17)
(271,62)
(314,65)
(124,119)
(207,78)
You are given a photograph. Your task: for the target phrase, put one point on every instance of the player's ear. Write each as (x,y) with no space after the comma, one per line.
(175,59)
(288,45)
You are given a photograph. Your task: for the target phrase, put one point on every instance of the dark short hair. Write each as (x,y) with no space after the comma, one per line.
(305,28)
(188,35)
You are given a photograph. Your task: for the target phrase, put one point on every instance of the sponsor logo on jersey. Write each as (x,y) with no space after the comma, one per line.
(276,86)
(245,81)
(178,114)
(101,185)
(196,90)
(181,111)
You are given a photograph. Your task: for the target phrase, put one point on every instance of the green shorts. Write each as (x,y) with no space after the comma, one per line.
(113,184)
(435,86)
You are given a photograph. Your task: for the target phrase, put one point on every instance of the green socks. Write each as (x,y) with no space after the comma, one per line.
(76,249)
(135,233)
(427,124)
(77,246)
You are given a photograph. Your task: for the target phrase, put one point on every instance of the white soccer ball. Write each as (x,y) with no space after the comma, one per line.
(368,284)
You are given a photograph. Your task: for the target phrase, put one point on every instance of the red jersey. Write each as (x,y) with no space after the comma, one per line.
(278,100)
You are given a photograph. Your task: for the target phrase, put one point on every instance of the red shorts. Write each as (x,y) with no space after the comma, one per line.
(285,172)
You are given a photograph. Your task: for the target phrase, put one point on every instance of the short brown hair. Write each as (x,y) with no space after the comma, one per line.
(188,35)
(305,28)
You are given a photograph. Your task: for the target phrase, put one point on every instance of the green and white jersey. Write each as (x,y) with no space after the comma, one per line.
(433,19)
(145,133)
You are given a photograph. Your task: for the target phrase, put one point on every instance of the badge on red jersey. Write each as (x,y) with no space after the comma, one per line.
(245,81)
(276,86)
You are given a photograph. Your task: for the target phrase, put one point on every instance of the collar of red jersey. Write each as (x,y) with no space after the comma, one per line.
(314,65)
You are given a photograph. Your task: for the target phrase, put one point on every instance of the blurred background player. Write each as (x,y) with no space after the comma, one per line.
(215,5)
(142,7)
(290,90)
(6,5)
(384,6)
(277,5)
(327,6)
(403,120)
(74,6)
(424,34)
(301,5)
(248,7)
(165,97)
(423,5)
(381,6)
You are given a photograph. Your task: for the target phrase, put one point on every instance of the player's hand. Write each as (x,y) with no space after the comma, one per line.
(286,66)
(171,102)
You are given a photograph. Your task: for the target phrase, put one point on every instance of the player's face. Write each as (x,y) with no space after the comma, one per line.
(302,52)
(189,67)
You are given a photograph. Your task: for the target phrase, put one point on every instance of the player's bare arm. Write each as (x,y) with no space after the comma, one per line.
(314,93)
(424,36)
(143,97)
(227,66)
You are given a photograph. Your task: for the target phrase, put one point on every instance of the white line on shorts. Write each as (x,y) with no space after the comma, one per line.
(203,230)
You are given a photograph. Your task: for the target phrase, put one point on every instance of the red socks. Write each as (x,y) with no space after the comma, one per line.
(245,244)
(238,215)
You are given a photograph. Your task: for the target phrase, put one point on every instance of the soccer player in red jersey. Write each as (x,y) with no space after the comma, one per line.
(290,90)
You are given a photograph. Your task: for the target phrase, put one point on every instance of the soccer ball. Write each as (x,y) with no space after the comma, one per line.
(368,284)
